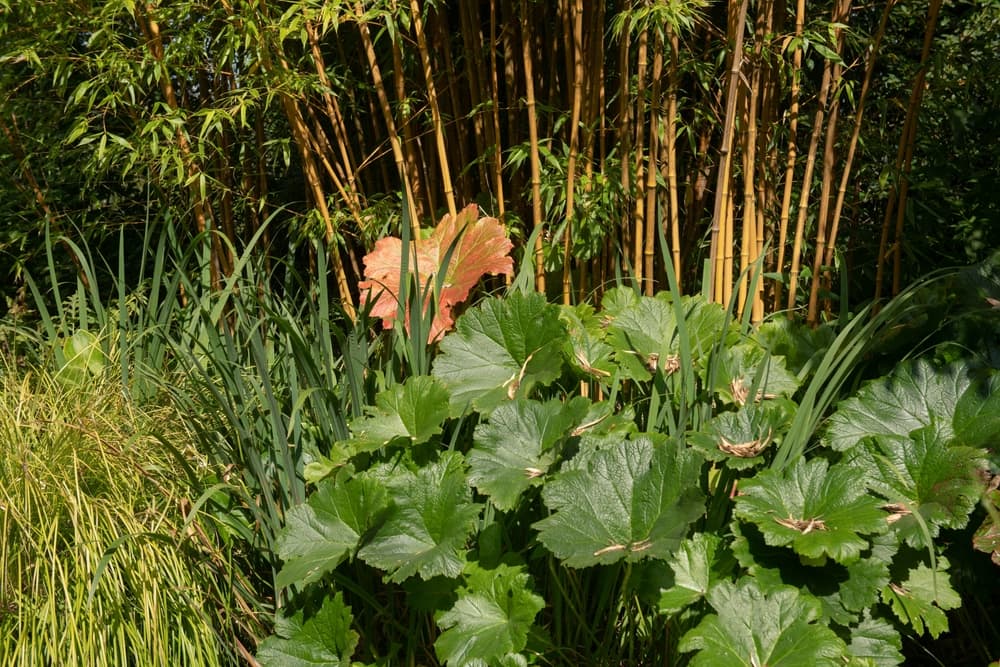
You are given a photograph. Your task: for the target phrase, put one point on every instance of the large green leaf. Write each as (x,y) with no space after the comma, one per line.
(700,563)
(324,639)
(927,483)
(619,299)
(413,410)
(898,404)
(817,509)
(740,438)
(843,591)
(632,501)
(645,336)
(801,346)
(324,530)
(428,523)
(977,415)
(748,372)
(491,618)
(754,628)
(515,448)
(500,349)
(586,349)
(876,640)
(920,601)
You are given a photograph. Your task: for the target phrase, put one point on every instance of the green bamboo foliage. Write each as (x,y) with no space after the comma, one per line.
(597,124)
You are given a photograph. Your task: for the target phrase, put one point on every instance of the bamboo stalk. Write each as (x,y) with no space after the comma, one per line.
(764,162)
(855,134)
(624,135)
(727,249)
(475,71)
(748,228)
(800,222)
(432,100)
(671,142)
(792,156)
(301,136)
(535,160)
(422,179)
(592,118)
(638,230)
(721,216)
(574,148)
(383,100)
(457,132)
(913,111)
(829,155)
(322,150)
(495,117)
(154,42)
(652,169)
(332,107)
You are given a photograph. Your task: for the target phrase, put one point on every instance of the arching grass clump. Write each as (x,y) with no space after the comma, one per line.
(97,565)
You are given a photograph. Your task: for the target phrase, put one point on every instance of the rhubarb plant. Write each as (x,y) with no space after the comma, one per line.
(571,484)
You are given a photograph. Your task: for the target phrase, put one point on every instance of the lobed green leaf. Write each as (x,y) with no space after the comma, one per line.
(500,350)
(324,638)
(428,523)
(754,628)
(817,509)
(633,501)
(491,618)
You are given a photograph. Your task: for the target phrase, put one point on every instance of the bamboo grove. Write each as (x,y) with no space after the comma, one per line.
(599,132)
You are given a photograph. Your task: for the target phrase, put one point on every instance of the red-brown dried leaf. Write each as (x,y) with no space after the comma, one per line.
(482,248)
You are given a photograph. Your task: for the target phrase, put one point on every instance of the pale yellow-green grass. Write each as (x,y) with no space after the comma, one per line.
(96,565)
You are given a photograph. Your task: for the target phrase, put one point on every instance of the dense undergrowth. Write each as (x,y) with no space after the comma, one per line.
(640,480)
(99,564)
